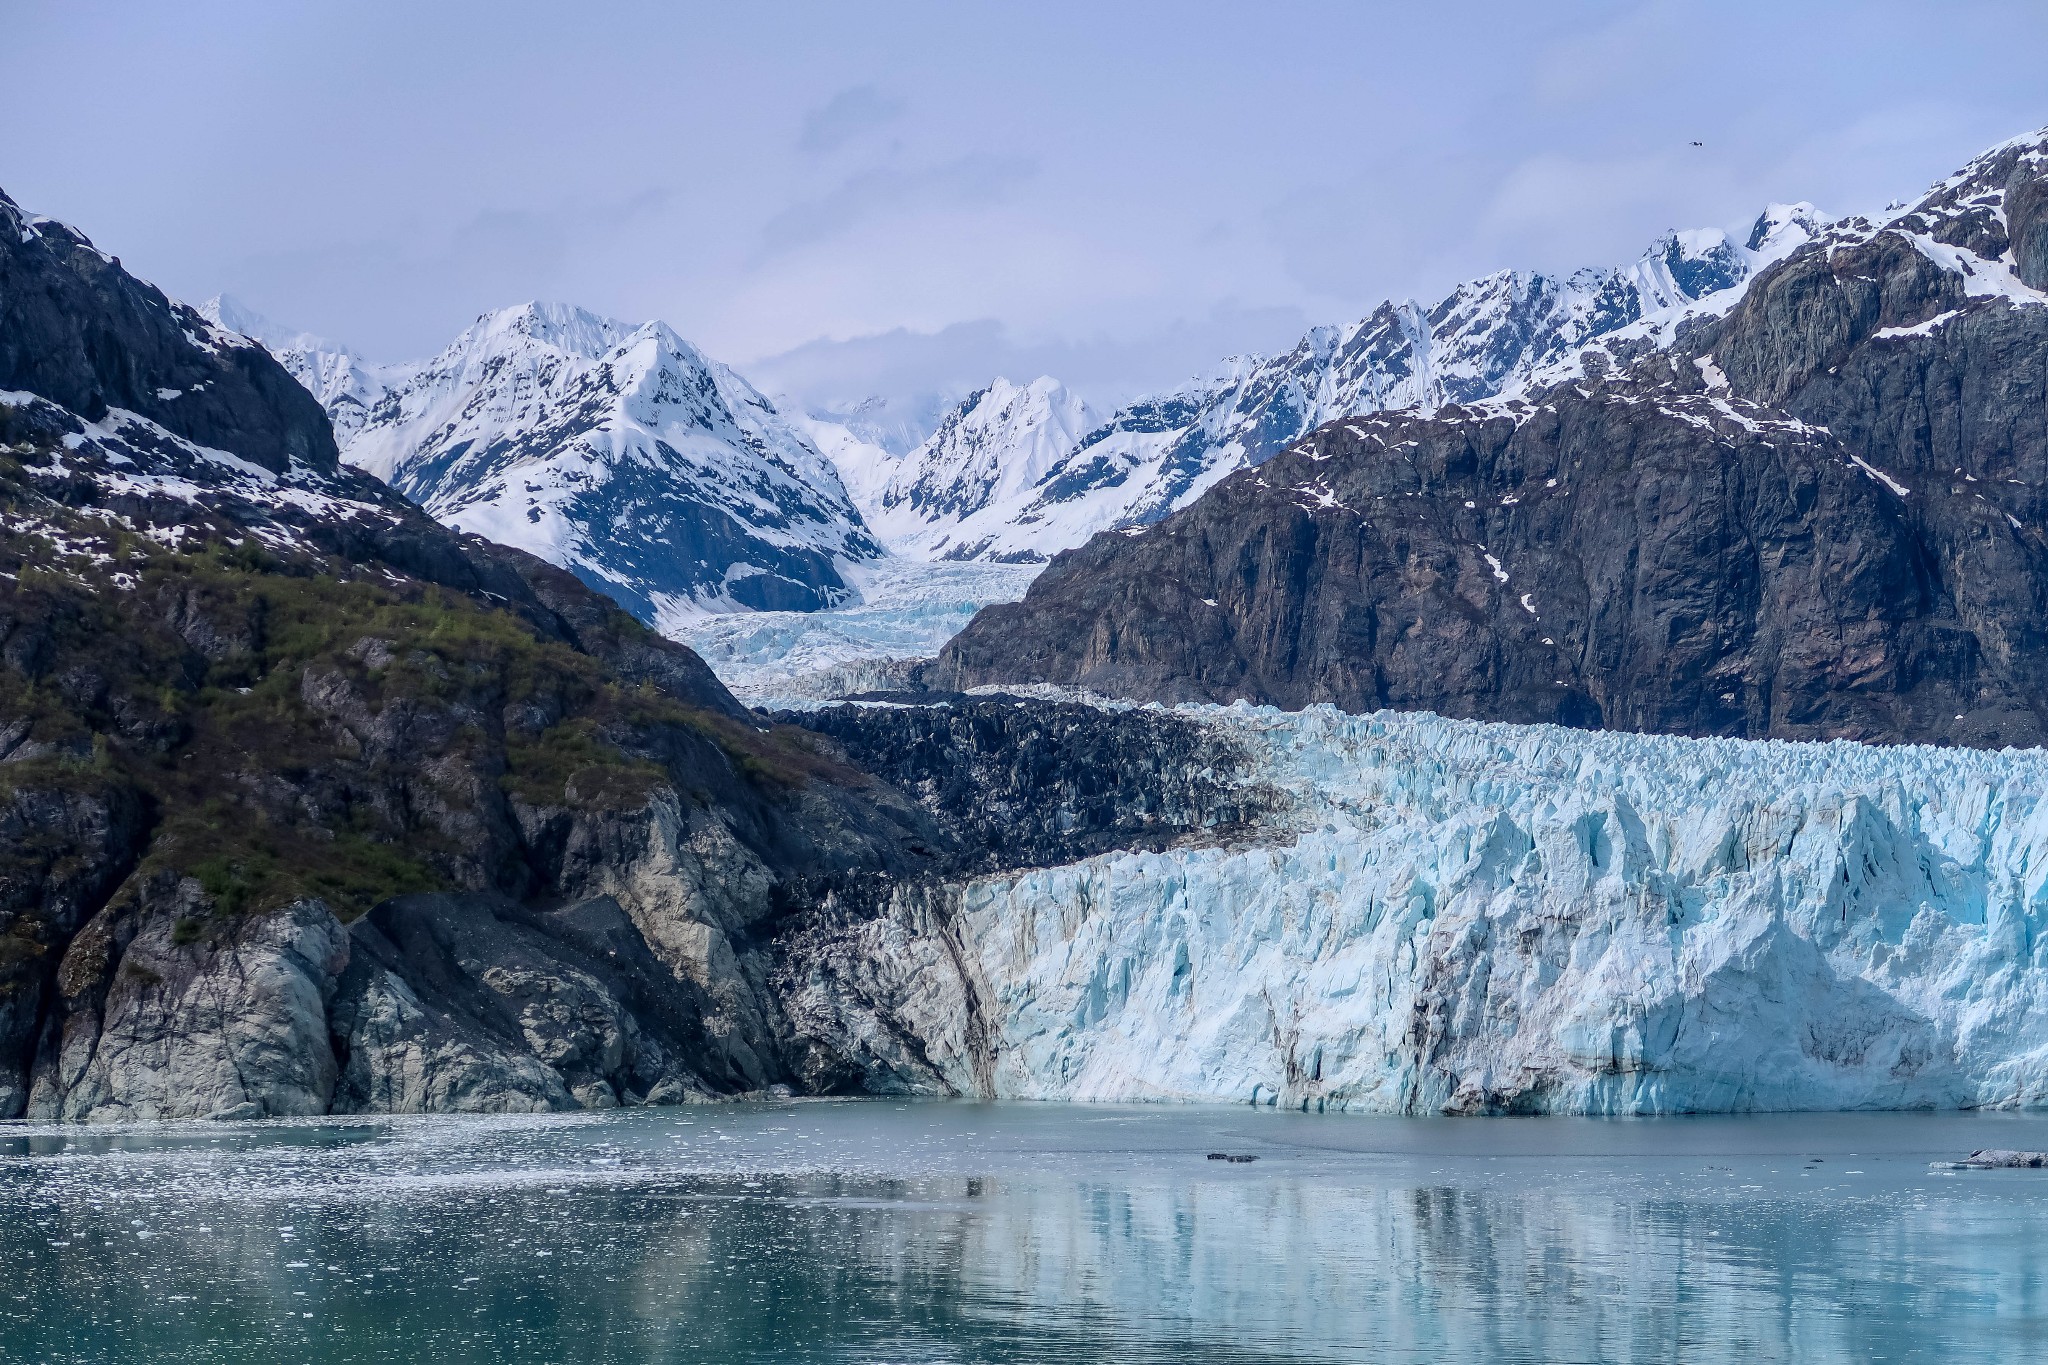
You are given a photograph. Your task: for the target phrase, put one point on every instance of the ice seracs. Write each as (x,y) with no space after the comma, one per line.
(1473,918)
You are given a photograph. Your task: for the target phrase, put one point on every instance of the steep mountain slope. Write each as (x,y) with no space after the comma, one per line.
(77,329)
(864,467)
(868,440)
(1820,516)
(345,385)
(967,483)
(617,452)
(1491,337)
(308,802)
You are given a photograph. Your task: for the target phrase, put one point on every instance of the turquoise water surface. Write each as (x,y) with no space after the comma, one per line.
(880,1231)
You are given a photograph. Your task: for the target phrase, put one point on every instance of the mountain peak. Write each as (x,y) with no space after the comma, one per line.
(982,463)
(202,384)
(562,326)
(1782,229)
(615,450)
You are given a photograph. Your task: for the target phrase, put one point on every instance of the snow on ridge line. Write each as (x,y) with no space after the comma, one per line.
(1496,336)
(1462,916)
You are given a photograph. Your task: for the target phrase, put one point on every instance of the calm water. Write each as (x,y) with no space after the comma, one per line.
(876,1232)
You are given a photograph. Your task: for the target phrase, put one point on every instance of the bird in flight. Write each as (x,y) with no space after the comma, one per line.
(1699,144)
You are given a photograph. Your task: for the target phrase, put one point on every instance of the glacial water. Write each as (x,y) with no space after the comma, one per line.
(877,1231)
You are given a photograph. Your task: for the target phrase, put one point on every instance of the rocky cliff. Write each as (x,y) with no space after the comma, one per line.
(308,803)
(1820,516)
(79,330)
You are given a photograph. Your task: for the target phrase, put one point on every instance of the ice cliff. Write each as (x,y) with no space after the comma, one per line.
(1474,918)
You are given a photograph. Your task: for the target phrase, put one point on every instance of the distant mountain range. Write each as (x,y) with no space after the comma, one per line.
(663,478)
(1020,498)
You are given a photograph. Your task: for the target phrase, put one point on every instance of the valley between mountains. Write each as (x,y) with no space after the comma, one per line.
(1617,693)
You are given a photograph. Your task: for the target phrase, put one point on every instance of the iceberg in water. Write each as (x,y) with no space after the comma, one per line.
(1473,918)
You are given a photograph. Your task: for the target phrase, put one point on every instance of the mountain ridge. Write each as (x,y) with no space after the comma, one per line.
(1817,514)
(1494,335)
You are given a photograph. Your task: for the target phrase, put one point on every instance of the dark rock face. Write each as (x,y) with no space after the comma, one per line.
(1629,555)
(78,329)
(63,849)
(476,1003)
(1831,525)
(1019,783)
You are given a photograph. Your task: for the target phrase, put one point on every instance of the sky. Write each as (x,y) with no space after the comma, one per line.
(909,198)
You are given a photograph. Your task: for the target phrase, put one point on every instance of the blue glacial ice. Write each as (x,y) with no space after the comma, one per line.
(1465,917)
(908,609)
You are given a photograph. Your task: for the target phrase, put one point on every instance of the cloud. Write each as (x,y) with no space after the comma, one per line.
(402,292)
(848,115)
(964,182)
(948,363)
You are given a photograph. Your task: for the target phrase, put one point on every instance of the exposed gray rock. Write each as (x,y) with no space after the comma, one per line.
(163,1018)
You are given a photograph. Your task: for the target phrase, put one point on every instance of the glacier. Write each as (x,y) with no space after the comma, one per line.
(1461,917)
(907,609)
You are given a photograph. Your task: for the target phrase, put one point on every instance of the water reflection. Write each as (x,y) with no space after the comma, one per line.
(978,1233)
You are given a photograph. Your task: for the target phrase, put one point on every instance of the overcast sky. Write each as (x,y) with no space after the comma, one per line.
(843,197)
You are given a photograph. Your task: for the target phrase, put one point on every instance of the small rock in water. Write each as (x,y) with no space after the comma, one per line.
(1995,1159)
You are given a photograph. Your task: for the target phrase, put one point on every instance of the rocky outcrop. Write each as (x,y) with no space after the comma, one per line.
(64,847)
(162,1015)
(1029,783)
(78,329)
(1821,517)
(477,1004)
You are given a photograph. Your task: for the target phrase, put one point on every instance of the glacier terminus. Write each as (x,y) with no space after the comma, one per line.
(1460,917)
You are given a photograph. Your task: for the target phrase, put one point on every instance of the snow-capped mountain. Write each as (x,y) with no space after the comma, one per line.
(616,451)
(1490,337)
(346,384)
(865,466)
(950,497)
